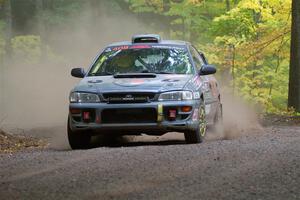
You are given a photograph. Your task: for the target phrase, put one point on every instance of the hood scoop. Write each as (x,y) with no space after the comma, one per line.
(135,75)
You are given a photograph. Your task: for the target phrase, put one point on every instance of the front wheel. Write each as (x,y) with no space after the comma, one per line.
(197,136)
(78,139)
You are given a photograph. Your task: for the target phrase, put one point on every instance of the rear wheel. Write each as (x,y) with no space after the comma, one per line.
(78,139)
(197,136)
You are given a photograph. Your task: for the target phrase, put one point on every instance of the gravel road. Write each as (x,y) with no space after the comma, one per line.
(259,165)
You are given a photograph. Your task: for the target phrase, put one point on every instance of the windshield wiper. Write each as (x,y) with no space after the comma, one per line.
(101,74)
(145,71)
(164,72)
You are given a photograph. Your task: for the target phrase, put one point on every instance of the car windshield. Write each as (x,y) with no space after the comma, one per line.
(142,60)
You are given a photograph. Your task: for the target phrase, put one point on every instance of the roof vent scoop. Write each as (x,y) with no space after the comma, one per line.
(149,38)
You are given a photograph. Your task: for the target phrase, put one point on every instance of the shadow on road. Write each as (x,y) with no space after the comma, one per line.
(172,138)
(60,142)
(136,141)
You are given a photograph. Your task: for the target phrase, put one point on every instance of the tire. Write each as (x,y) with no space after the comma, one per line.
(78,139)
(197,136)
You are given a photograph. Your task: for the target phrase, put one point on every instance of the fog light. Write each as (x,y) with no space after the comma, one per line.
(98,119)
(172,114)
(86,116)
(186,108)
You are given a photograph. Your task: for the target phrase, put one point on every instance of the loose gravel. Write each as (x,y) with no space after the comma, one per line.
(259,165)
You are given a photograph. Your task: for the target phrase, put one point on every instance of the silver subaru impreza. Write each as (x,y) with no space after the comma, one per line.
(146,85)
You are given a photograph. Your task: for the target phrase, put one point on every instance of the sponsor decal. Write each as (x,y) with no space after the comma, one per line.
(167,47)
(198,82)
(206,86)
(207,109)
(140,47)
(195,114)
(173,76)
(120,48)
(124,47)
(196,95)
(129,82)
(137,81)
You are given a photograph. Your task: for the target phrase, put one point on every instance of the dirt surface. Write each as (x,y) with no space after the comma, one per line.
(258,165)
(10,143)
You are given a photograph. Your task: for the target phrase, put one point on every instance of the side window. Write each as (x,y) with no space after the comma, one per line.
(196,57)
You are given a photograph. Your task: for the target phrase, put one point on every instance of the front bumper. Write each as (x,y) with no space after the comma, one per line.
(162,123)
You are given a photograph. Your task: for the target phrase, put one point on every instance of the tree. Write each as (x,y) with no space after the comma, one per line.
(4,50)
(248,40)
(8,20)
(41,26)
(294,80)
(259,32)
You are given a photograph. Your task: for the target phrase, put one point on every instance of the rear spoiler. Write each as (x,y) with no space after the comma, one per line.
(148,38)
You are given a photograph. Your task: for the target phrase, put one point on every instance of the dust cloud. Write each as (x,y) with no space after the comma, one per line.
(239,118)
(34,97)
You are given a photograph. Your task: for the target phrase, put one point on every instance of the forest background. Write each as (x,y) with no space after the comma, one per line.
(41,40)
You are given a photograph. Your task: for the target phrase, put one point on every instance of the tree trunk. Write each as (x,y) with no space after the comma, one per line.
(8,29)
(294,79)
(41,28)
(6,58)
(227,5)
(233,68)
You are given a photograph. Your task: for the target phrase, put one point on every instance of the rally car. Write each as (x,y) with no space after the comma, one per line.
(144,86)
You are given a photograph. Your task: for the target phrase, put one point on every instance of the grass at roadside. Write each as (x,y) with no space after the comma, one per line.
(284,120)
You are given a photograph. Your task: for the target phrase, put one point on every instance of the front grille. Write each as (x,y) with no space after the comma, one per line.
(129,115)
(128,97)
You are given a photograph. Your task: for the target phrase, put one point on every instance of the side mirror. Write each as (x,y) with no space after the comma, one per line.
(207,69)
(78,72)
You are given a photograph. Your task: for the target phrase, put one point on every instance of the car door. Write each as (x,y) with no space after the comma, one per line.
(212,82)
(209,85)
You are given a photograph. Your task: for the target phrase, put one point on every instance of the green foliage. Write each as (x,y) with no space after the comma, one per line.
(259,32)
(247,39)
(253,37)
(155,6)
(26,48)
(60,13)
(2,2)
(234,27)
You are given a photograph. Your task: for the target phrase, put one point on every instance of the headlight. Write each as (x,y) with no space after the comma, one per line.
(78,97)
(176,96)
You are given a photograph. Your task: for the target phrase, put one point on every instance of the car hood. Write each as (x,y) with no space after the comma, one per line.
(160,83)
